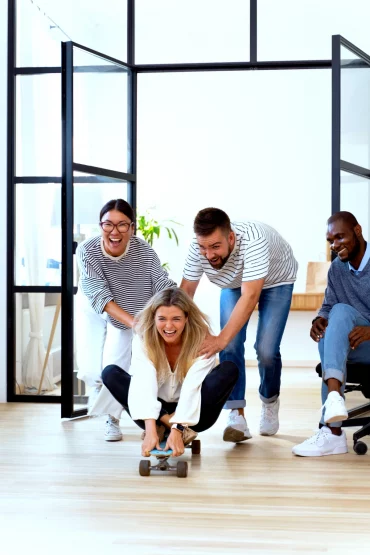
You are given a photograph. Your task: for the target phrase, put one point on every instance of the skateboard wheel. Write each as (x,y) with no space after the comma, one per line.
(195,447)
(144,468)
(182,469)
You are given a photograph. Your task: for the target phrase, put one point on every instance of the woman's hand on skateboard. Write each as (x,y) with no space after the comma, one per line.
(151,441)
(175,443)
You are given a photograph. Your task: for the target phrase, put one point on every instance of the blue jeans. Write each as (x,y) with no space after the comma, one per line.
(273,310)
(334,348)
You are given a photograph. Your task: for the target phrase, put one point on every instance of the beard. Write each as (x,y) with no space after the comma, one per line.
(354,252)
(221,261)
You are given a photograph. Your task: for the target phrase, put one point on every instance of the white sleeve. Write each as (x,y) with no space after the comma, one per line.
(143,392)
(188,407)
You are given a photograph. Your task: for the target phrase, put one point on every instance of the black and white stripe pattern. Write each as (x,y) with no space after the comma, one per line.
(130,281)
(260,252)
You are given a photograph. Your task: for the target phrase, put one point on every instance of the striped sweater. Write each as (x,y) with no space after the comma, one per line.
(129,280)
(259,252)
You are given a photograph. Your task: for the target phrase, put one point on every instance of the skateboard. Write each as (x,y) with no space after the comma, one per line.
(162,457)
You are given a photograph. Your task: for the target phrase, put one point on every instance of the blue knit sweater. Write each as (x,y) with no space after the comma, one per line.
(345,287)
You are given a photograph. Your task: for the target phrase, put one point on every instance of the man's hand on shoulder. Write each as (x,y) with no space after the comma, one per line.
(211,345)
(318,328)
(358,335)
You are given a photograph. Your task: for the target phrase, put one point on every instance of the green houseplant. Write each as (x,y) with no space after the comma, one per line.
(149,228)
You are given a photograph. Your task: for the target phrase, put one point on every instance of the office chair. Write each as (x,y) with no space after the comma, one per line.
(358,379)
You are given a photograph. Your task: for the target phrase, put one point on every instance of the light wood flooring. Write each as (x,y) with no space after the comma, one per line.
(63,489)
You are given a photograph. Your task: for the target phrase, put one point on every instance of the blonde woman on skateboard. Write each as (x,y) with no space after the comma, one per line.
(169,390)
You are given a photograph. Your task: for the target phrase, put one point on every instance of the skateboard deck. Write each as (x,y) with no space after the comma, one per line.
(161,454)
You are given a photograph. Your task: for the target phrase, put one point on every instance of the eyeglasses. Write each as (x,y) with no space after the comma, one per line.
(122,227)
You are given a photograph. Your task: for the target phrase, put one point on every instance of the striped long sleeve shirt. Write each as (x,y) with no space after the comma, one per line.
(129,280)
(259,252)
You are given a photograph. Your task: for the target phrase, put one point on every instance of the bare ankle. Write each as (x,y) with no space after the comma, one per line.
(334,385)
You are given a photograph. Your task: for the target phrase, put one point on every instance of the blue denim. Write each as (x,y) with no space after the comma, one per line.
(334,348)
(273,310)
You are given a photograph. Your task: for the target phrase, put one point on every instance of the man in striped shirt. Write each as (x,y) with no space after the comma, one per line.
(251,263)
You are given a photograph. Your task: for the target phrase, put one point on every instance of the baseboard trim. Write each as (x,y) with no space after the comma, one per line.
(289,363)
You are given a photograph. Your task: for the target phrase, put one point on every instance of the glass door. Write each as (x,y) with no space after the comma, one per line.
(351,131)
(98,165)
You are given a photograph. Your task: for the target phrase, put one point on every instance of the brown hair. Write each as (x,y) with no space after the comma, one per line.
(209,219)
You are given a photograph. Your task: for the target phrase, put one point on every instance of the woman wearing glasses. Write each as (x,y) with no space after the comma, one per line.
(119,273)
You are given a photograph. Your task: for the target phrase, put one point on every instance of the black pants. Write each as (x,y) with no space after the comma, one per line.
(215,391)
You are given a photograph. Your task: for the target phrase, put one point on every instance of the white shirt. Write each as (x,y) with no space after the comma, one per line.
(364,261)
(259,252)
(145,389)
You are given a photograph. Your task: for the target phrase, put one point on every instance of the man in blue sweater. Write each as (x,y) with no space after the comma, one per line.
(342,330)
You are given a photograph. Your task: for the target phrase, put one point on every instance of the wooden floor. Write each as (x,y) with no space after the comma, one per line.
(63,489)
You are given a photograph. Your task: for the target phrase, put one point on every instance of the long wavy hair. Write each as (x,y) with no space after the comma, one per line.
(195,330)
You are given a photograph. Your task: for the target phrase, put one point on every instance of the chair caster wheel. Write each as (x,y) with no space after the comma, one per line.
(182,469)
(195,447)
(144,468)
(360,448)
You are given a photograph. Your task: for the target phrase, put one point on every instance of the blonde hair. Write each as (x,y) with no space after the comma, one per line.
(195,330)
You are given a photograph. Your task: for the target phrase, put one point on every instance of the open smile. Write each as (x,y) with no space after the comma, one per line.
(115,241)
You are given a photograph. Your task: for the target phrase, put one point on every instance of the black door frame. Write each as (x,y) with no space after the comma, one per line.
(338,164)
(69,166)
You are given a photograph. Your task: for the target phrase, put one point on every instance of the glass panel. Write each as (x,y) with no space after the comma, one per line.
(302,30)
(100,112)
(355,109)
(38,38)
(355,198)
(38,132)
(89,198)
(192,31)
(42,27)
(38,344)
(38,234)
(81,390)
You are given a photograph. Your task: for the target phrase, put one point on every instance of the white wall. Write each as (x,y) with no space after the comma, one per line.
(3,182)
(256,144)
(302,29)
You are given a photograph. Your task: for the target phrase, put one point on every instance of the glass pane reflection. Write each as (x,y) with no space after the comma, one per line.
(353,188)
(355,109)
(38,344)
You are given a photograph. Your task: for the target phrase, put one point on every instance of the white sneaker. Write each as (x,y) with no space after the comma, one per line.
(269,423)
(237,428)
(323,442)
(335,409)
(112,430)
